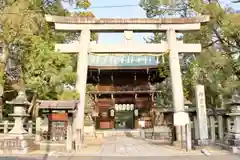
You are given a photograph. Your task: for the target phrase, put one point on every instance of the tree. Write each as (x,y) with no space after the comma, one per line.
(30,61)
(218,65)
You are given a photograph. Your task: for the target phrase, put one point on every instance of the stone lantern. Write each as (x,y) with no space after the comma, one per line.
(233,137)
(20,104)
(18,138)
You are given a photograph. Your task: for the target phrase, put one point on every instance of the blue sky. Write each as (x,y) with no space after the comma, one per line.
(123,12)
(117,12)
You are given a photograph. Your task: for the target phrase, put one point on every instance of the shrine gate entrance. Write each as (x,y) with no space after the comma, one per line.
(169,25)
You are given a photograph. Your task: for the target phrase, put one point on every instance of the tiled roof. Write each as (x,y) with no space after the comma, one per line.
(57,104)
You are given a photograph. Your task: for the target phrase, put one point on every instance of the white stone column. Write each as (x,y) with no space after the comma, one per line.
(176,77)
(196,131)
(5,126)
(38,129)
(82,70)
(229,124)
(220,127)
(212,128)
(69,135)
(201,115)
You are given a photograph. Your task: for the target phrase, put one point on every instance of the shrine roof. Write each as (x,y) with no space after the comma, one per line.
(125,61)
(58,104)
(92,20)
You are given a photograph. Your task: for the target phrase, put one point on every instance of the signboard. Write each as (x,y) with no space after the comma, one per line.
(181,119)
(126,60)
(58,117)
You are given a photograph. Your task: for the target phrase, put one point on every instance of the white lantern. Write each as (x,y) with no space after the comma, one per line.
(128,107)
(136,112)
(112,112)
(124,107)
(116,107)
(131,107)
(120,107)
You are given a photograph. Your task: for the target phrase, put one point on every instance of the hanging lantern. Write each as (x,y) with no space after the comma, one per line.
(116,107)
(128,107)
(124,107)
(112,112)
(135,112)
(131,107)
(120,107)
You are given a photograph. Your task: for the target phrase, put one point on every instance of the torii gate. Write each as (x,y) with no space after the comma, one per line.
(128,26)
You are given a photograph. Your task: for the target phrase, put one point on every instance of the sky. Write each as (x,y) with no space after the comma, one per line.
(123,12)
(116,12)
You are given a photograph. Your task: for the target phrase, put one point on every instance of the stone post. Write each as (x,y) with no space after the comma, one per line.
(201,115)
(5,126)
(30,127)
(188,137)
(176,77)
(212,128)
(220,127)
(82,69)
(69,141)
(196,132)
(38,129)
(229,124)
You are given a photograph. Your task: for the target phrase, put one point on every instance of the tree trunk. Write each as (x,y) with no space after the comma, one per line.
(1,108)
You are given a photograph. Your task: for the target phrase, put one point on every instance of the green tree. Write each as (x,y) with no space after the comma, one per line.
(217,67)
(30,61)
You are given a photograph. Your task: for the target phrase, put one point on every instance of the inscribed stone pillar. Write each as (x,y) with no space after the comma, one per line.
(175,71)
(201,115)
(82,69)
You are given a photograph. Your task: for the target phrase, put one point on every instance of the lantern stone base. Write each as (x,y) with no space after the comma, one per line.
(16,144)
(233,140)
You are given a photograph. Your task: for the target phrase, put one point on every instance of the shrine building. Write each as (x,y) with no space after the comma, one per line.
(124,93)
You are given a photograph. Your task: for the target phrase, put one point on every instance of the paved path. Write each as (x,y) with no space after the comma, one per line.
(129,146)
(114,148)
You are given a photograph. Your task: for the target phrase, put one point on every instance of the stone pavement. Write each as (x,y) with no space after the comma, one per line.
(131,148)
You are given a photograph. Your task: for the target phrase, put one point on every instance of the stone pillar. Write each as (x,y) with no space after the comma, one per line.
(5,127)
(188,137)
(220,127)
(69,136)
(212,128)
(82,70)
(229,124)
(201,115)
(30,127)
(38,129)
(176,77)
(196,132)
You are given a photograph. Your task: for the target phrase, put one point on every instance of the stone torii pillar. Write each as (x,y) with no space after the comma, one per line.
(82,70)
(176,78)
